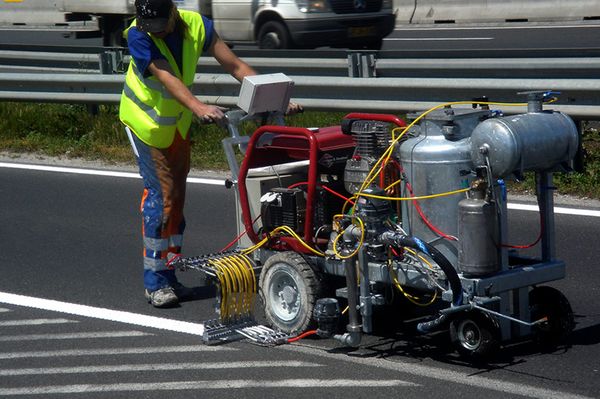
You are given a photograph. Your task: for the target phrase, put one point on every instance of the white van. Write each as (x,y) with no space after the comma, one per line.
(269,23)
(278,24)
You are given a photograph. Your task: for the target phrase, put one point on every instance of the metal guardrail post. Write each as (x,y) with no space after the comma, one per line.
(361,65)
(111,61)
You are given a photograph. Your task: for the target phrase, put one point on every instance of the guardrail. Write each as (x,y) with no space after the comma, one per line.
(580,97)
(354,64)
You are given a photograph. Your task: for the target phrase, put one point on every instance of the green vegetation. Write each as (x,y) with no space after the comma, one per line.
(73,131)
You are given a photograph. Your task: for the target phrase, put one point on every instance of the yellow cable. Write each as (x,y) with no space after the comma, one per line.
(228,289)
(421,197)
(222,284)
(289,231)
(389,151)
(243,272)
(251,281)
(413,299)
(360,242)
(243,283)
(420,257)
(394,184)
(236,279)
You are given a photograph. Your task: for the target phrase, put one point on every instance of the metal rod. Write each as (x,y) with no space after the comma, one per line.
(508,317)
(353,324)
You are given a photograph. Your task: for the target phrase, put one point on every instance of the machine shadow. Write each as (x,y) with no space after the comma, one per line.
(397,336)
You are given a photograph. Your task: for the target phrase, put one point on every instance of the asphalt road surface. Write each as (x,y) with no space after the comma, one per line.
(553,38)
(74,239)
(508,37)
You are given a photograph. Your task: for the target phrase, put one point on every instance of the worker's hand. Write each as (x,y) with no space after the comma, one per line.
(294,108)
(210,113)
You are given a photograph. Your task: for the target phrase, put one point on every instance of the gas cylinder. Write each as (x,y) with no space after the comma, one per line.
(478,232)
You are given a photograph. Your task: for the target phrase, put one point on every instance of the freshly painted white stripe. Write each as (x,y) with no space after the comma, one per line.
(435,39)
(203,385)
(557,209)
(217,182)
(155,367)
(95,172)
(115,351)
(101,313)
(34,322)
(441,374)
(83,335)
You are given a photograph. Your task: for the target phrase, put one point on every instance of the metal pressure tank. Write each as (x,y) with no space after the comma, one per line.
(438,160)
(478,233)
(536,141)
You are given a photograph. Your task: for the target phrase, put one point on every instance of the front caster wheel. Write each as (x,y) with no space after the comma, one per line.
(476,335)
(289,289)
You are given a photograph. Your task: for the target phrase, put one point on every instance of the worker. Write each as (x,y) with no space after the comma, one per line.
(157,108)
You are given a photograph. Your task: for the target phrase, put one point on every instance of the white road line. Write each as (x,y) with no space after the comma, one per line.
(156,367)
(115,351)
(409,368)
(34,322)
(434,39)
(95,172)
(557,209)
(83,335)
(204,385)
(101,313)
(198,180)
(493,27)
(441,374)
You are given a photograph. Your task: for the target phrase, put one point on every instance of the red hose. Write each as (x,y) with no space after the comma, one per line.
(303,335)
(304,183)
(236,239)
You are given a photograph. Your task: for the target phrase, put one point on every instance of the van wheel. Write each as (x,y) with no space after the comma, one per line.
(274,35)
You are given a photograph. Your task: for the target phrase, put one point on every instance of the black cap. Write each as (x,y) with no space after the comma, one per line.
(153,15)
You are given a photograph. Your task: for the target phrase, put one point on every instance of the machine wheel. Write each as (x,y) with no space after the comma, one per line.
(289,289)
(274,35)
(475,334)
(551,303)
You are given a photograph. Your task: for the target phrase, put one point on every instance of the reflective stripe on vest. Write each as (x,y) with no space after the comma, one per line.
(152,84)
(147,107)
(151,112)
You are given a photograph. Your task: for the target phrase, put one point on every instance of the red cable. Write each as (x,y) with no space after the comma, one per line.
(303,335)
(528,245)
(325,188)
(420,211)
(236,239)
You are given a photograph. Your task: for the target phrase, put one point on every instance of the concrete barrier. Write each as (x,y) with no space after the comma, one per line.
(484,11)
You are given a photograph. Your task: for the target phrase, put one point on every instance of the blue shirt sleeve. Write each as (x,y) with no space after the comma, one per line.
(142,50)
(209,30)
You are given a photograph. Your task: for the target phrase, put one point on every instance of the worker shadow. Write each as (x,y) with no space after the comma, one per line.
(199,293)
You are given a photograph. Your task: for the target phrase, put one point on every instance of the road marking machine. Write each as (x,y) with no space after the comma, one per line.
(343,216)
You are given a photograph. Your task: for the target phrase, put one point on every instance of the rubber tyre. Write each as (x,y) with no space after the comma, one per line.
(476,335)
(289,289)
(551,303)
(274,35)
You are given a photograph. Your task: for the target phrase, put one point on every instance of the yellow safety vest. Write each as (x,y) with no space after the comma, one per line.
(147,108)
